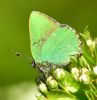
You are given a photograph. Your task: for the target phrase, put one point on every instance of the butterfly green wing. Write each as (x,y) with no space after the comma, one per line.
(41,27)
(62,44)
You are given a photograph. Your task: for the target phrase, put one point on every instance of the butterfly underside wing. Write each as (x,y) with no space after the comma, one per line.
(50,41)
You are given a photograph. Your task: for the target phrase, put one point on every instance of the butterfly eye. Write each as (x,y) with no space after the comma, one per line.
(33,64)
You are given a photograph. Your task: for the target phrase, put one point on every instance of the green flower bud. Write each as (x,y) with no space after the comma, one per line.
(59,74)
(51,83)
(42,88)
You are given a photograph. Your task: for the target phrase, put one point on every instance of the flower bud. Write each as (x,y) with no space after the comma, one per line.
(42,88)
(51,83)
(91,44)
(75,72)
(84,71)
(59,74)
(84,78)
(95,70)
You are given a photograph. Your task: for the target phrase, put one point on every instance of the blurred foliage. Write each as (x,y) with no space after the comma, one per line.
(20,91)
(14,33)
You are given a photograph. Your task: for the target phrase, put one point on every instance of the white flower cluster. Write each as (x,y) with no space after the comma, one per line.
(81,74)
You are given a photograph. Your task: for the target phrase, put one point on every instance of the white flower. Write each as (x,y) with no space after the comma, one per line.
(95,69)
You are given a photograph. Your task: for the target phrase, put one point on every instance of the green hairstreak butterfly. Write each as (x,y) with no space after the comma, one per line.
(51,41)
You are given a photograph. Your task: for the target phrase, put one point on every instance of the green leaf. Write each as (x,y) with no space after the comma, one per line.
(86,33)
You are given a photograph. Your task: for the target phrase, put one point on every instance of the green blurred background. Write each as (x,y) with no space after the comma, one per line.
(17,77)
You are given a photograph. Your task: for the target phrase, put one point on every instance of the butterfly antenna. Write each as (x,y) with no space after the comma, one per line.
(22,55)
